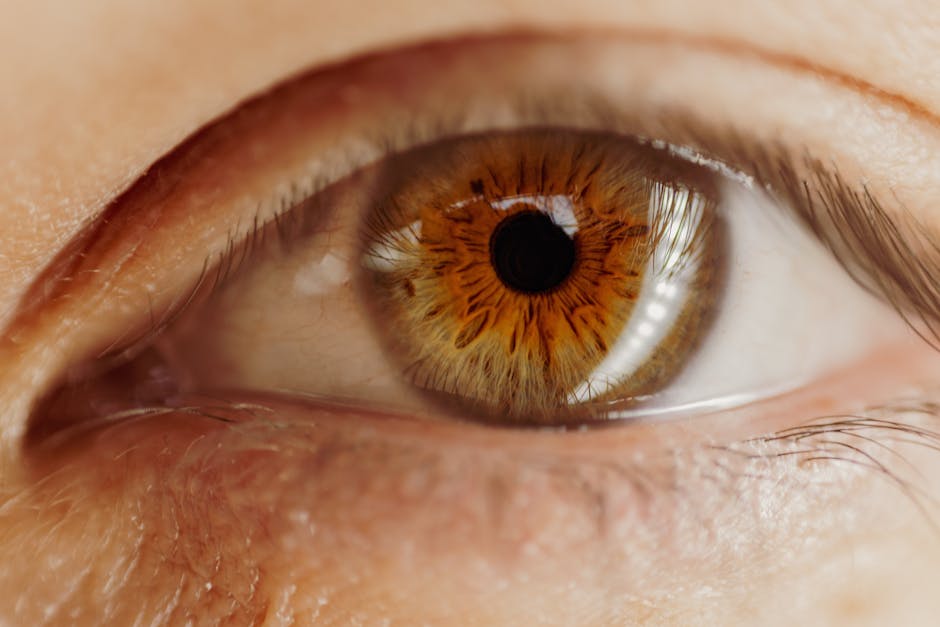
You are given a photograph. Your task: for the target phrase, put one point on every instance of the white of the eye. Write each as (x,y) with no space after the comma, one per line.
(789,314)
(667,279)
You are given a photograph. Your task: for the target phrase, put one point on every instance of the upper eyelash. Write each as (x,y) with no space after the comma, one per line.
(877,247)
(877,250)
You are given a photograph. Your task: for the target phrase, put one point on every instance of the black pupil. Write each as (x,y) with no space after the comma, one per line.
(530,253)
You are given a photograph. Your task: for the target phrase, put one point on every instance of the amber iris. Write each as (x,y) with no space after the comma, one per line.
(505,268)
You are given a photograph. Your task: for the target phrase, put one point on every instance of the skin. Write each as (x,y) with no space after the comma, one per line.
(366,518)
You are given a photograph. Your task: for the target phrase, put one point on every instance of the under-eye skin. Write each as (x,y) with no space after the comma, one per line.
(235,270)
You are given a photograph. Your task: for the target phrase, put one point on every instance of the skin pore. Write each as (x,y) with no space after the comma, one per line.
(382,520)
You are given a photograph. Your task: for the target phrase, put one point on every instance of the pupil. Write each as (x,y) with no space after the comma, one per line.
(530,253)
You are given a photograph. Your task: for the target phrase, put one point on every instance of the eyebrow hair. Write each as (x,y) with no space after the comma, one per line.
(798,64)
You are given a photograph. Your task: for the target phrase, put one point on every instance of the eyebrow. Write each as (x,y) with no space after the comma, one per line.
(799,64)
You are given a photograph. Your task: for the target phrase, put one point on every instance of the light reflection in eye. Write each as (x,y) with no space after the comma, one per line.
(322,276)
(670,276)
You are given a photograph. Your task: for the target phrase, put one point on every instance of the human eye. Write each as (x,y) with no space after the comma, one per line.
(544,277)
(274,305)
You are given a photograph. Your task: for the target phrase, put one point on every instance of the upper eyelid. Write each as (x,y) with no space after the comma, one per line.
(727,45)
(174,166)
(718,44)
(793,62)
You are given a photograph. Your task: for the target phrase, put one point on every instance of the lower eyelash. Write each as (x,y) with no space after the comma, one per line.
(885,441)
(882,441)
(888,436)
(230,469)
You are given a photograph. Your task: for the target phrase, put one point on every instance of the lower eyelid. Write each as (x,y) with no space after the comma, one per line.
(253,494)
(376,485)
(250,497)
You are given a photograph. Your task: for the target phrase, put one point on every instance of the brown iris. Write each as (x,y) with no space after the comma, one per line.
(504,268)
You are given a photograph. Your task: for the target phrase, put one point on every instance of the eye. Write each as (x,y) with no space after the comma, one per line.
(507,270)
(528,272)
(545,276)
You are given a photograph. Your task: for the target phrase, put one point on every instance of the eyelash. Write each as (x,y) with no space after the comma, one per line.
(877,250)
